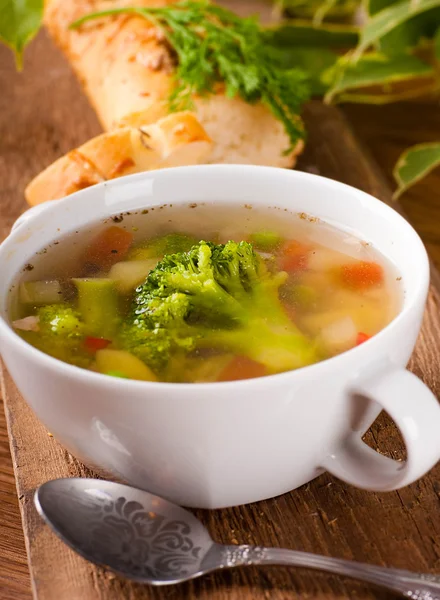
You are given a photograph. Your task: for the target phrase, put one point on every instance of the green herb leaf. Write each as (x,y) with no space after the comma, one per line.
(20,21)
(214,46)
(296,32)
(390,18)
(374,69)
(414,164)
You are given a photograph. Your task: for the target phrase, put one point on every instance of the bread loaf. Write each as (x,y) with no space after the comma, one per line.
(126,68)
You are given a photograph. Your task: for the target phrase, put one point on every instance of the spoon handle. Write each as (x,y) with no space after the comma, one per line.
(411,585)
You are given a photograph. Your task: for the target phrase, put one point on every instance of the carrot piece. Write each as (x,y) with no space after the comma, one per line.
(93,344)
(242,367)
(361,338)
(294,256)
(109,247)
(362,275)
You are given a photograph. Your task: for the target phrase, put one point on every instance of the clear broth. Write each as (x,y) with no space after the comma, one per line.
(339,290)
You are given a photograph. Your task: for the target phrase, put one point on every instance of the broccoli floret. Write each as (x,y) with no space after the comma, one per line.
(219,296)
(161,333)
(60,334)
(61,320)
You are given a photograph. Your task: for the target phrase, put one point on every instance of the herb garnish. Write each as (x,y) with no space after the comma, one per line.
(213,45)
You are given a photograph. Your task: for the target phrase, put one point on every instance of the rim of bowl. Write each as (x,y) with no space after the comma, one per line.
(320,367)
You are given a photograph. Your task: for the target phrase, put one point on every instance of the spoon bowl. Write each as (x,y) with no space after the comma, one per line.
(138,535)
(150,540)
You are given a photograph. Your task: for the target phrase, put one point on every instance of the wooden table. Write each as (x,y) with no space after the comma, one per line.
(37,103)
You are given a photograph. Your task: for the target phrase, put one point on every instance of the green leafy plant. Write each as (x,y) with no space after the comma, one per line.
(396,57)
(20,21)
(414,164)
(406,33)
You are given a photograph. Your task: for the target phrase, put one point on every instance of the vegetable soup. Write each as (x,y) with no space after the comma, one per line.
(203,293)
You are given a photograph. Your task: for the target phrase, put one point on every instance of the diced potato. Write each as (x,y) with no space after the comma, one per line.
(39,293)
(365,318)
(315,323)
(324,259)
(319,281)
(346,299)
(119,361)
(129,274)
(339,335)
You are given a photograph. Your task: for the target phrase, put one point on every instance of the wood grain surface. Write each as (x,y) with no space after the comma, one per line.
(42,115)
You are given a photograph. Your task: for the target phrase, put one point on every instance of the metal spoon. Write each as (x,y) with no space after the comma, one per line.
(148,539)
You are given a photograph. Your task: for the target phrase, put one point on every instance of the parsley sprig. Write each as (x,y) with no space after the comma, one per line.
(213,45)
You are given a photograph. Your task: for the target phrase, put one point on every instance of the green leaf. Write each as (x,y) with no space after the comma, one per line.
(20,21)
(375,6)
(405,35)
(313,61)
(373,69)
(303,33)
(390,18)
(414,164)
(436,45)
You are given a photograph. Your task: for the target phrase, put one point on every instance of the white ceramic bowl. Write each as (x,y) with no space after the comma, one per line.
(220,444)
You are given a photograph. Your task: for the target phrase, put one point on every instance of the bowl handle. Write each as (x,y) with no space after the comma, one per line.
(416,412)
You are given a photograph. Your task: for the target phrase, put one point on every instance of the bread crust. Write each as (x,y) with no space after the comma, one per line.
(123,62)
(172,140)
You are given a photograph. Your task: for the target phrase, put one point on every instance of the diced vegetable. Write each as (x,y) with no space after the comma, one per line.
(117,374)
(294,257)
(142,254)
(31,323)
(361,338)
(339,336)
(300,295)
(124,363)
(362,275)
(266,241)
(165,244)
(242,367)
(129,274)
(200,370)
(323,259)
(93,344)
(98,304)
(109,247)
(60,333)
(38,293)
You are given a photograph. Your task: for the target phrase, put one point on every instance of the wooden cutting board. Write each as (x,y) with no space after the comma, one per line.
(400,529)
